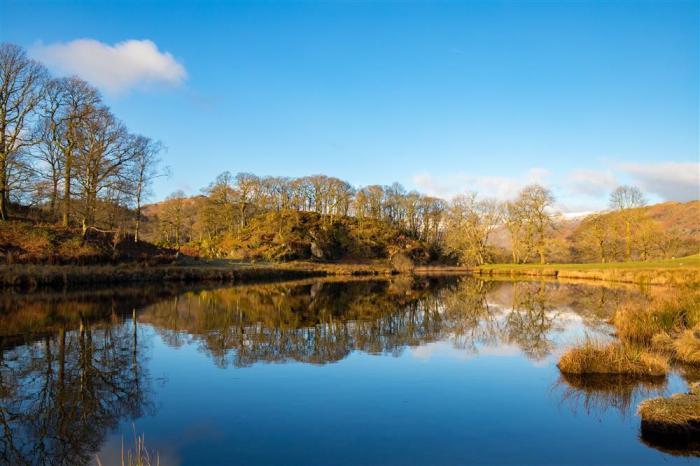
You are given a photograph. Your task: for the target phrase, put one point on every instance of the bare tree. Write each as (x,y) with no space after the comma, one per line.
(21,88)
(529,219)
(173,217)
(470,223)
(595,235)
(147,167)
(625,200)
(70,103)
(105,152)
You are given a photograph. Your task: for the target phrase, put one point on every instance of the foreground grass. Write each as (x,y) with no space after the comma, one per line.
(666,326)
(675,419)
(652,332)
(138,456)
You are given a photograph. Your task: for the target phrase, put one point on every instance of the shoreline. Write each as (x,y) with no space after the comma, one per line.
(32,277)
(643,276)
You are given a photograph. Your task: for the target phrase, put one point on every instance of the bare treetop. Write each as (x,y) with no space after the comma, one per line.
(627,197)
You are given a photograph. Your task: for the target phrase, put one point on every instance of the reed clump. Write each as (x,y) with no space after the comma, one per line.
(613,359)
(136,456)
(670,313)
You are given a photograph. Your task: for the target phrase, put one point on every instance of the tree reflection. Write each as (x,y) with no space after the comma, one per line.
(72,366)
(321,322)
(60,395)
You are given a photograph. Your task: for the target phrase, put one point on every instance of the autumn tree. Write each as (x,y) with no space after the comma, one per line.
(470,223)
(529,219)
(597,236)
(626,201)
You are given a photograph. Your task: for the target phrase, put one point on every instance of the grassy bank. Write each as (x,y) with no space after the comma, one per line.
(682,271)
(29,277)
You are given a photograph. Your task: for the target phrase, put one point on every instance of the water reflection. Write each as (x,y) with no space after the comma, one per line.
(73,366)
(60,395)
(323,322)
(596,394)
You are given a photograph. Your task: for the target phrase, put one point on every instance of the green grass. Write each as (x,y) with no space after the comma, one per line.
(682,263)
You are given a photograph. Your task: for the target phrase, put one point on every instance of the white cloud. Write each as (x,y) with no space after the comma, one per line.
(113,68)
(578,192)
(499,187)
(594,183)
(672,181)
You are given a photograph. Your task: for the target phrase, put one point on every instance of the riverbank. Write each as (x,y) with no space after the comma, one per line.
(28,277)
(682,271)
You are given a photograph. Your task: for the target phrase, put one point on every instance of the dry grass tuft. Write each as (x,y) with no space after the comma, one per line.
(674,420)
(687,347)
(640,321)
(663,343)
(636,322)
(613,358)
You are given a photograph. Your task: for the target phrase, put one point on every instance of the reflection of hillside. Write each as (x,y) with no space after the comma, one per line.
(320,322)
(59,396)
(72,365)
(28,317)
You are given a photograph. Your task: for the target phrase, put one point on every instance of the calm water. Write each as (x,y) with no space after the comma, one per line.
(449,371)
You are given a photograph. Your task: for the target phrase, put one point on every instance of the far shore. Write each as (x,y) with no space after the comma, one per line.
(684,271)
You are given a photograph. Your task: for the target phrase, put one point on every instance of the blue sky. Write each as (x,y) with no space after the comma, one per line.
(443,97)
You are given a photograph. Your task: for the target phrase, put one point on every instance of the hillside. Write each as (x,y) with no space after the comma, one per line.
(676,223)
(292,235)
(25,242)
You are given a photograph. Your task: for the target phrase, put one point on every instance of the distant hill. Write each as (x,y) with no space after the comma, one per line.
(680,220)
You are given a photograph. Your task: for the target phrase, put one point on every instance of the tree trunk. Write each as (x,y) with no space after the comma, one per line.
(54,198)
(3,175)
(66,191)
(3,188)
(138,222)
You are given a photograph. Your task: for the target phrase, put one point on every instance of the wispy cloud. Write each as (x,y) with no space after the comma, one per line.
(578,191)
(499,187)
(676,181)
(112,68)
(594,183)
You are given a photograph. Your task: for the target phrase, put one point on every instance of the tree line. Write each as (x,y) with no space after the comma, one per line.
(64,154)
(463,228)
(62,149)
